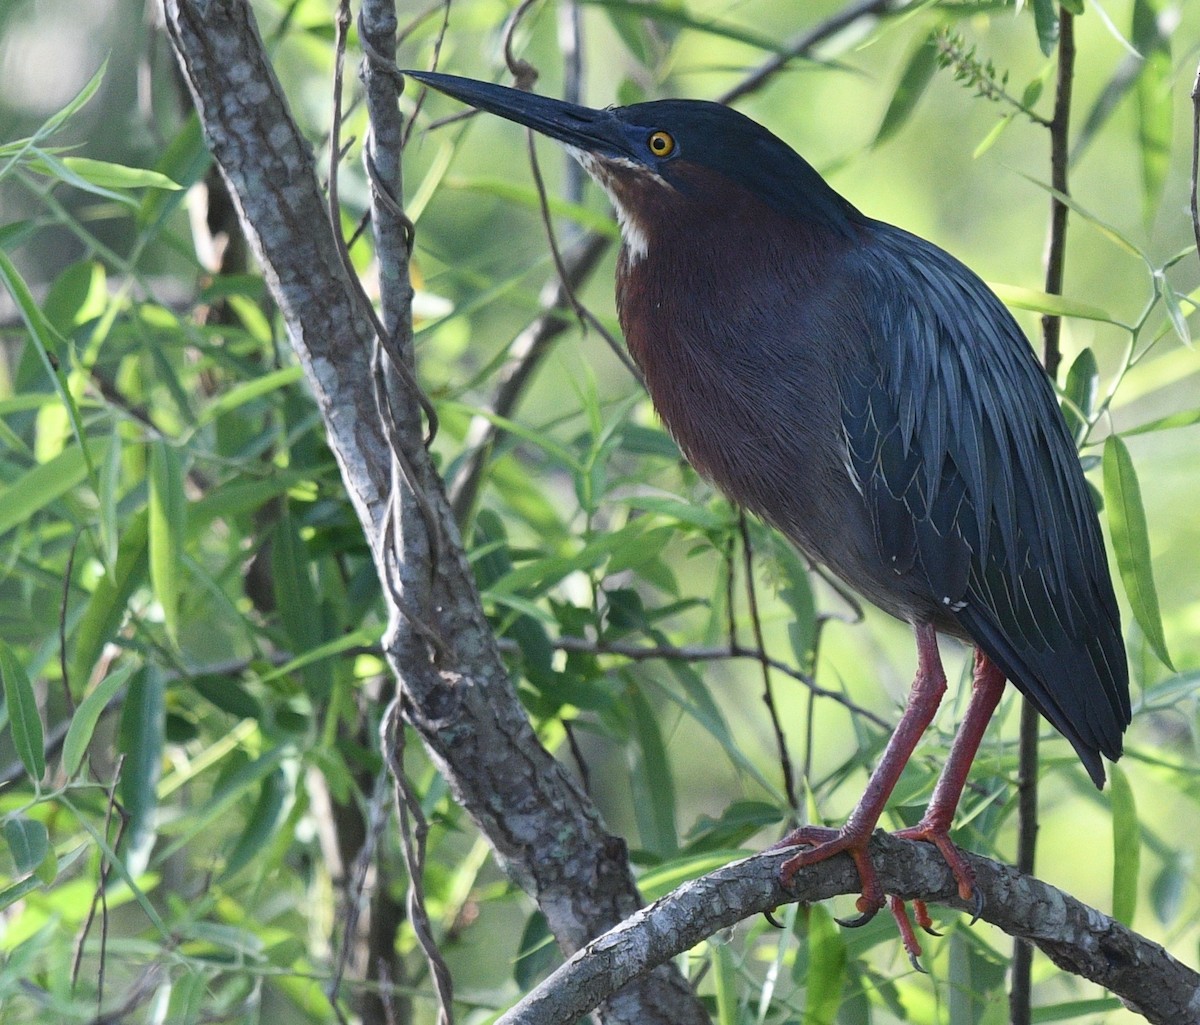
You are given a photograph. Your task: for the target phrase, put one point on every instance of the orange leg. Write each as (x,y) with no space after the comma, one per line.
(934,827)
(821,843)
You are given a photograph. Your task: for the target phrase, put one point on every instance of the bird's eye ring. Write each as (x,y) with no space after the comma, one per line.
(661,143)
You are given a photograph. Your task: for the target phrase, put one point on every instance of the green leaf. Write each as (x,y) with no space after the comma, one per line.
(1075,1010)
(106,607)
(11,894)
(1154,104)
(118,176)
(917,74)
(28,842)
(83,722)
(262,823)
(76,104)
(1083,380)
(1175,310)
(143,726)
(1171,885)
(1131,540)
(1127,846)
(676,16)
(1045,20)
(296,600)
(994,133)
(79,294)
(826,968)
(40,485)
(167,523)
(528,197)
(536,953)
(670,875)
(977,979)
(46,342)
(248,391)
(1184,418)
(1044,302)
(653,785)
(24,719)
(725,978)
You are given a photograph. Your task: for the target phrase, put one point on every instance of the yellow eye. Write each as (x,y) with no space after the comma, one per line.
(661,144)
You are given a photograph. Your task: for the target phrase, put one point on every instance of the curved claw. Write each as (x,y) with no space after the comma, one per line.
(923,920)
(912,960)
(977,895)
(770,917)
(859,920)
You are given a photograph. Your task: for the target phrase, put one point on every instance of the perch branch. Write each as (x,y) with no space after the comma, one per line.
(1074,936)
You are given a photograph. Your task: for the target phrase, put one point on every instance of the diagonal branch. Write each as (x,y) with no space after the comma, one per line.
(1076,937)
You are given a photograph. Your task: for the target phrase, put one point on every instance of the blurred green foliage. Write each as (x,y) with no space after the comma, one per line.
(189,615)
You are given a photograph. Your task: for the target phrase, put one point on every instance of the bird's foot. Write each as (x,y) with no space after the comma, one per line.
(933,832)
(819,843)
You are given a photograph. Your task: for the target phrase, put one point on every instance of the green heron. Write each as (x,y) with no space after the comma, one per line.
(868,395)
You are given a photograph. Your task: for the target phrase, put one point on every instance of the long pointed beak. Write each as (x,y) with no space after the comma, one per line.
(593,131)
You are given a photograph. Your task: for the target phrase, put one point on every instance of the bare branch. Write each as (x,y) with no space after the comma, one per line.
(831,26)
(1196,158)
(641,653)
(1020,998)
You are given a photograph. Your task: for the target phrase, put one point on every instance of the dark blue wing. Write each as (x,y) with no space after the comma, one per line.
(974,486)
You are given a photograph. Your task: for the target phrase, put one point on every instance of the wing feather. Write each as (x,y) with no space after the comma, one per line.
(973,481)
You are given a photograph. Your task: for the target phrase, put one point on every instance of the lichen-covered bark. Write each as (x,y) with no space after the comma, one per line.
(1076,937)
(546,833)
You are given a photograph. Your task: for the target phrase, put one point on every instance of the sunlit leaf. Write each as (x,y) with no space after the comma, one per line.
(107,605)
(1044,302)
(725,981)
(1127,846)
(1154,104)
(83,722)
(167,524)
(826,968)
(1131,540)
(40,485)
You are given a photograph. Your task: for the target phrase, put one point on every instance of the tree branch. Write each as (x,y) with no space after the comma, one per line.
(456,690)
(1074,936)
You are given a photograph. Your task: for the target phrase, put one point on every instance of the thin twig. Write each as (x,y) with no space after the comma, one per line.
(1020,1001)
(100,897)
(831,26)
(376,822)
(785,761)
(525,356)
(413,824)
(668,652)
(1196,158)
